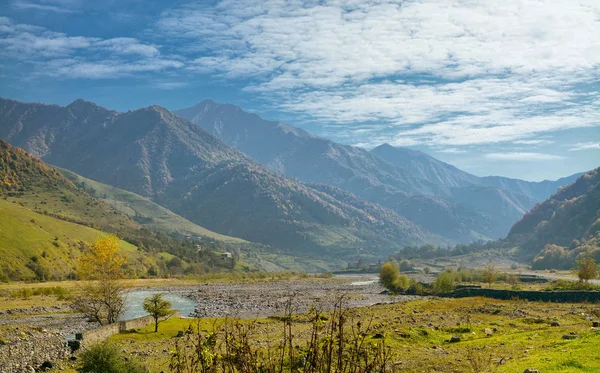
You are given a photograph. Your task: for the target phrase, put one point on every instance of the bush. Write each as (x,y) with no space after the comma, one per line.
(405,265)
(107,358)
(390,277)
(445,282)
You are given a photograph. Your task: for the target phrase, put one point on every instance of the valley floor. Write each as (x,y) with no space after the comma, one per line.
(499,336)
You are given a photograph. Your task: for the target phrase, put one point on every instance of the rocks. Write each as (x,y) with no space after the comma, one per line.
(454,339)
(570,336)
(37,348)
(554,323)
(531,370)
(488,331)
(596,324)
(46,365)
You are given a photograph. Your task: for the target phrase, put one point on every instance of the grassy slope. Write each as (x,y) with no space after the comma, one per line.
(24,234)
(143,210)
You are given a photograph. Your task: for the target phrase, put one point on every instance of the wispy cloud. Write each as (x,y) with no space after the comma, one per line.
(171,85)
(429,72)
(451,151)
(518,156)
(56,6)
(60,55)
(585,146)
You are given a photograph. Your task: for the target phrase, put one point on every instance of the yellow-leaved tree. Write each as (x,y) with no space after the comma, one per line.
(101,299)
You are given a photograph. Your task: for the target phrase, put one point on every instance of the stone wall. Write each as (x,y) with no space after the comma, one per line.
(104,332)
(536,296)
(99,334)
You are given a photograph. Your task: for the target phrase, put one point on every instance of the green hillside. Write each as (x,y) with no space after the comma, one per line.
(37,246)
(45,213)
(563,228)
(143,210)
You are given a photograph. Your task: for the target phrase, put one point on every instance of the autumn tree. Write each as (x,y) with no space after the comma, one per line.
(158,308)
(587,268)
(101,298)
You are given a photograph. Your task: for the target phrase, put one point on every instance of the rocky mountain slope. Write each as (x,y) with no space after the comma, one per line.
(159,155)
(441,198)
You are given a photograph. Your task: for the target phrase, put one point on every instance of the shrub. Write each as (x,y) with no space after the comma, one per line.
(445,282)
(405,265)
(390,277)
(107,358)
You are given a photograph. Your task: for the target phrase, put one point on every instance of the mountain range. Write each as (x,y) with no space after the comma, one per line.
(234,173)
(159,155)
(435,195)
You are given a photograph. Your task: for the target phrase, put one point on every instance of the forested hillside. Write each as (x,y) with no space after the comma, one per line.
(563,228)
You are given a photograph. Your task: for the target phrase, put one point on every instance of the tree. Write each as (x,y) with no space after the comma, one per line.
(107,358)
(101,299)
(390,277)
(489,274)
(158,308)
(444,283)
(587,269)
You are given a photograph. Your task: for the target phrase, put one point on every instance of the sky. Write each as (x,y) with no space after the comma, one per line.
(495,87)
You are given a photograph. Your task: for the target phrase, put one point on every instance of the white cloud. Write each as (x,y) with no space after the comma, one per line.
(451,151)
(127,46)
(59,55)
(585,146)
(171,85)
(534,142)
(461,72)
(33,6)
(518,156)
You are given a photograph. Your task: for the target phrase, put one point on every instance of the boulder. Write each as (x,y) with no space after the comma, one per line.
(569,336)
(555,323)
(454,339)
(531,370)
(596,324)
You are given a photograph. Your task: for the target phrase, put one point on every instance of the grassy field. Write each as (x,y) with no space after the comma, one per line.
(143,210)
(54,243)
(495,336)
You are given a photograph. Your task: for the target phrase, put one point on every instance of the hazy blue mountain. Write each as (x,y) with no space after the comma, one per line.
(431,193)
(438,172)
(159,155)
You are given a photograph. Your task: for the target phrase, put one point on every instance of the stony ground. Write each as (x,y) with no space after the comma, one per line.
(263,299)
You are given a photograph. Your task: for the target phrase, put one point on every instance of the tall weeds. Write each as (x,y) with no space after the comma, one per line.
(336,343)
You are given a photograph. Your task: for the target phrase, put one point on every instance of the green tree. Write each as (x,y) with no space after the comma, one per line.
(444,283)
(489,274)
(107,358)
(390,277)
(587,269)
(158,308)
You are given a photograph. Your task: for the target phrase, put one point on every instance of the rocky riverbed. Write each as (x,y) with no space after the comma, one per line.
(263,299)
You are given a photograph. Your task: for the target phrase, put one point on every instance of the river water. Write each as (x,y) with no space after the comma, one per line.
(134,303)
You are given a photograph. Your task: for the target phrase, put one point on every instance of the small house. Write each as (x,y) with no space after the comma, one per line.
(225,256)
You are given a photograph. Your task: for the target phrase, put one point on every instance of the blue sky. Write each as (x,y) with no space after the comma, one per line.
(505,87)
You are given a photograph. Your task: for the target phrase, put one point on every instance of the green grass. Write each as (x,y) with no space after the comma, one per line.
(418,332)
(143,210)
(54,242)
